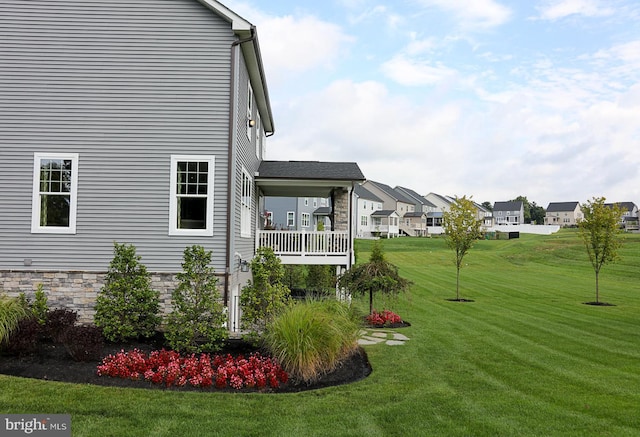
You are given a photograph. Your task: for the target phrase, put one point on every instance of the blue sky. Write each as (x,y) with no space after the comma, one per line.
(489,98)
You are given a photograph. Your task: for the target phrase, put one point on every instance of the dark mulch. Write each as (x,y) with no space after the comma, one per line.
(52,362)
(460,300)
(389,325)
(600,304)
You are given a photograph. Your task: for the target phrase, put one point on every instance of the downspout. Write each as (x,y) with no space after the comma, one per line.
(230,155)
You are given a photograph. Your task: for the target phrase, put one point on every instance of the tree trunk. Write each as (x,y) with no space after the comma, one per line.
(458,284)
(597,287)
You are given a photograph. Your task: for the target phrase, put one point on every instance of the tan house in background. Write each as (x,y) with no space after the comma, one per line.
(563,214)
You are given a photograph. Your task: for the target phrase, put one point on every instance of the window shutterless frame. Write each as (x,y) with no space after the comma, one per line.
(191,195)
(55,193)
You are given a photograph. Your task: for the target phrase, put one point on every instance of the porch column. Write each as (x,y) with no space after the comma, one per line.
(341,210)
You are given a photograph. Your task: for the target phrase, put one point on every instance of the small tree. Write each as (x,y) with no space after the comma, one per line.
(127,307)
(376,276)
(266,296)
(600,231)
(462,229)
(197,323)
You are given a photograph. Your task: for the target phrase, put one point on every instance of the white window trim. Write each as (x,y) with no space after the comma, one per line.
(173,204)
(291,215)
(246,209)
(305,220)
(36,228)
(258,136)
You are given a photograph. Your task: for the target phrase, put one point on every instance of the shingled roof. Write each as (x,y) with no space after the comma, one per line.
(310,170)
(306,178)
(562,206)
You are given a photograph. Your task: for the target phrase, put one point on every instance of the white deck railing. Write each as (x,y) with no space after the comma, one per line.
(305,244)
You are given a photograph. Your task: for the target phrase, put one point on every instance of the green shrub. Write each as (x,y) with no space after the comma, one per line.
(309,339)
(266,296)
(127,307)
(12,310)
(83,343)
(198,321)
(40,306)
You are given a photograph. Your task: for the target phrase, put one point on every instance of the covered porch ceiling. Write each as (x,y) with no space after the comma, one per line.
(306,178)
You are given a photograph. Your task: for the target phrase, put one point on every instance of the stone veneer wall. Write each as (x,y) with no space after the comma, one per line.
(77,291)
(341,210)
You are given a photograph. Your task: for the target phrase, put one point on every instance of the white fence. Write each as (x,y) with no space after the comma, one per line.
(302,247)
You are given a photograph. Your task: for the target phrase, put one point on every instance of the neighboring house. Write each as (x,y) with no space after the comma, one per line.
(563,214)
(414,224)
(485,215)
(630,219)
(296,213)
(420,203)
(366,204)
(391,199)
(143,125)
(386,223)
(441,204)
(508,213)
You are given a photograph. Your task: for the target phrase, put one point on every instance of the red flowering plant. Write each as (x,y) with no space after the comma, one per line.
(170,368)
(385,318)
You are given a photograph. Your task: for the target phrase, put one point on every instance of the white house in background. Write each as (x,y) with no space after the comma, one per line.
(391,199)
(508,213)
(366,204)
(563,214)
(386,223)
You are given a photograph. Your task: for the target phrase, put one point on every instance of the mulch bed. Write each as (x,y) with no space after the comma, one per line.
(51,362)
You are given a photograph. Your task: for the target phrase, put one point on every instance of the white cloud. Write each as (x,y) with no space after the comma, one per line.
(297,44)
(474,14)
(558,9)
(413,72)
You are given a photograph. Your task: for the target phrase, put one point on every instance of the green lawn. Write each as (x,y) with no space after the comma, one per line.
(526,358)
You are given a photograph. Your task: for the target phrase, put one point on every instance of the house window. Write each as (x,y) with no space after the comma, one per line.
(55,187)
(323,202)
(315,202)
(245,204)
(305,219)
(268,219)
(364,220)
(191,201)
(306,201)
(291,216)
(249,112)
(377,221)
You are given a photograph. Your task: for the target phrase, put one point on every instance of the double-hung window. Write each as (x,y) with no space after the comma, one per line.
(55,187)
(191,201)
(305,220)
(249,112)
(245,204)
(291,217)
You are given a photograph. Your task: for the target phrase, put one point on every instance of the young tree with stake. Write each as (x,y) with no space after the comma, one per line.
(462,229)
(600,231)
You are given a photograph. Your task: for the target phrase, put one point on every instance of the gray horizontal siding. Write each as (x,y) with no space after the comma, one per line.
(125,85)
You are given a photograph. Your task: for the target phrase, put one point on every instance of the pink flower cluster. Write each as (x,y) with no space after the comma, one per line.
(170,368)
(386,317)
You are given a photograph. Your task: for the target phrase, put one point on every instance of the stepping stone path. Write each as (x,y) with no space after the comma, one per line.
(373,336)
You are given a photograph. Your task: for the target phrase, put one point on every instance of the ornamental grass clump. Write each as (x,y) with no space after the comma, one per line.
(310,339)
(11,312)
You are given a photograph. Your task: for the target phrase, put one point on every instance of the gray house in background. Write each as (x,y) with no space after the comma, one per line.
(508,213)
(297,213)
(143,125)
